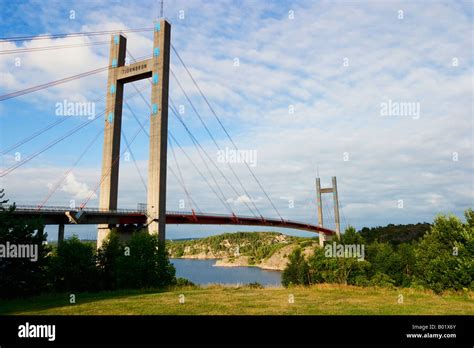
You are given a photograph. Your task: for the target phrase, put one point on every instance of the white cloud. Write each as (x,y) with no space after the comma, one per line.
(243,199)
(78,190)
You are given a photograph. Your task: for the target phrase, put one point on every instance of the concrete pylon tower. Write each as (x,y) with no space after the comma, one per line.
(112,133)
(336,207)
(319,202)
(156,200)
(157,68)
(319,191)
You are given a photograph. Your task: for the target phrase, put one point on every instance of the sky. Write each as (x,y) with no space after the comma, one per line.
(378,94)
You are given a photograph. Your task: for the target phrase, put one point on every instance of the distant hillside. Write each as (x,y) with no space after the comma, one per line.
(395,234)
(267,250)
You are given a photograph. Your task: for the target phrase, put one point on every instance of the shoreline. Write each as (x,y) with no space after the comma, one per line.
(223,262)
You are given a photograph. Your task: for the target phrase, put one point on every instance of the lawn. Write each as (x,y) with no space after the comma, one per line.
(212,300)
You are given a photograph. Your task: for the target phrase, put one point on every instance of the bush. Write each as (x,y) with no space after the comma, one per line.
(382,280)
(184,282)
(361,280)
(255,285)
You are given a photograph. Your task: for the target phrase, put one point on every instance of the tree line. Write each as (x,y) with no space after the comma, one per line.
(440,258)
(76,266)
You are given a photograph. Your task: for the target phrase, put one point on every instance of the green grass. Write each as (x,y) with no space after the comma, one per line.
(214,300)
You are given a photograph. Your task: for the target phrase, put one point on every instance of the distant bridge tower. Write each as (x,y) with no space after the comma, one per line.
(157,68)
(319,191)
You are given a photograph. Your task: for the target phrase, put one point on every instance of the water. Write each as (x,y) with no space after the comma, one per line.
(204,272)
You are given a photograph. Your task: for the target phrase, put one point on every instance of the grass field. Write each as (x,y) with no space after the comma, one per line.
(214,300)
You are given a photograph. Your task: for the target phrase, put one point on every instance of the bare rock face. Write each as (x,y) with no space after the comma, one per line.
(279,259)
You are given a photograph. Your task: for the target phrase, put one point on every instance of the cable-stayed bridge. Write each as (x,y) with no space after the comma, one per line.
(153,215)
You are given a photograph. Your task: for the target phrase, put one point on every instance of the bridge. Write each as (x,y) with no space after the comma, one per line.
(63,215)
(154,217)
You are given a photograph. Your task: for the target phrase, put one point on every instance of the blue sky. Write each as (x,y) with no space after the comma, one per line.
(333,62)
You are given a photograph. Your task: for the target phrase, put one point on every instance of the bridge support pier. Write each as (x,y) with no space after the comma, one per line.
(60,233)
(102,232)
(324,238)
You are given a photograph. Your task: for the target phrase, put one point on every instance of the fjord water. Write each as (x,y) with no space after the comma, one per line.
(204,272)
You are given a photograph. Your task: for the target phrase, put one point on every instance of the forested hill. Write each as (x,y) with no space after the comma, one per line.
(263,249)
(395,234)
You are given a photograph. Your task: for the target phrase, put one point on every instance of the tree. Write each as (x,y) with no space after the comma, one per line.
(350,236)
(406,252)
(296,271)
(146,265)
(385,260)
(108,258)
(444,257)
(339,270)
(21,276)
(395,234)
(74,266)
(166,270)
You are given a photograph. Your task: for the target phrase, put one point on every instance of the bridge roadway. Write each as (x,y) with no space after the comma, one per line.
(66,215)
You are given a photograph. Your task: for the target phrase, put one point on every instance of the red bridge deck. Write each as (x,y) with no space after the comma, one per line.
(61,215)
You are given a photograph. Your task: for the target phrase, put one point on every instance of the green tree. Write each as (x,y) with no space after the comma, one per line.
(406,252)
(74,266)
(317,267)
(296,271)
(166,270)
(395,234)
(20,277)
(108,258)
(385,260)
(340,270)
(444,257)
(146,265)
(350,236)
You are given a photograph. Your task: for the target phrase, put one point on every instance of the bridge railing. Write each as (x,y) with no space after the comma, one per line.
(268,220)
(124,211)
(209,214)
(46,208)
(225,215)
(63,208)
